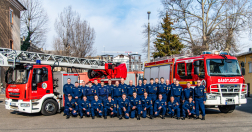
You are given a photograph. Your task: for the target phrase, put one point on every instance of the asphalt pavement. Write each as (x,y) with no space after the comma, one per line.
(239,120)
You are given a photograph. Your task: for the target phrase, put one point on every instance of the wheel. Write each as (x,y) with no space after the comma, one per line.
(49,107)
(227,108)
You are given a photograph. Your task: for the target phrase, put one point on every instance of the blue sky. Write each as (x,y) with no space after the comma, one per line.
(118,23)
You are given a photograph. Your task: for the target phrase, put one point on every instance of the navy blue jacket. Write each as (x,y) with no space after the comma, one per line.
(130,90)
(140,89)
(77,92)
(152,89)
(103,91)
(84,104)
(117,91)
(200,92)
(68,89)
(159,103)
(146,102)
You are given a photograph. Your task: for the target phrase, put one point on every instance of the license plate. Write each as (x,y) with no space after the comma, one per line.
(230,101)
(13,104)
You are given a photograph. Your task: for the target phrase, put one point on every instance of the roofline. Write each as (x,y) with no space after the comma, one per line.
(18,5)
(245,53)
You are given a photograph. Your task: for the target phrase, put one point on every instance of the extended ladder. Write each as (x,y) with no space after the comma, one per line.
(10,58)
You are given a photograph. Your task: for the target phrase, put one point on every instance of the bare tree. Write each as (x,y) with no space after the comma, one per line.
(33,23)
(209,24)
(75,37)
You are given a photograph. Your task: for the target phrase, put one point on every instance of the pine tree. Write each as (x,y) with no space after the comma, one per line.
(167,43)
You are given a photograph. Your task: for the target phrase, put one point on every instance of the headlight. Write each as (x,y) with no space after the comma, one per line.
(25,105)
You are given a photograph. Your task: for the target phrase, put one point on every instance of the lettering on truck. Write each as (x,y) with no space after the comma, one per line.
(228,80)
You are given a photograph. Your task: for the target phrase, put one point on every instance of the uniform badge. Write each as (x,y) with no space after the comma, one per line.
(126,104)
(201,90)
(155,88)
(151,101)
(122,90)
(165,103)
(115,105)
(193,107)
(95,91)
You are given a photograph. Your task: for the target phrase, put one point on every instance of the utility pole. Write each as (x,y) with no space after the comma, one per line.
(148,35)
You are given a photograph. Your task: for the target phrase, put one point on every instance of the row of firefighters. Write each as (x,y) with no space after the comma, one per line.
(126,101)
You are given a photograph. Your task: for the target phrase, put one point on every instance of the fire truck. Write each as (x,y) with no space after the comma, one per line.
(32,84)
(218,71)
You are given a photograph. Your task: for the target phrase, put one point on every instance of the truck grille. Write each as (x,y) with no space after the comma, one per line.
(14,96)
(229,88)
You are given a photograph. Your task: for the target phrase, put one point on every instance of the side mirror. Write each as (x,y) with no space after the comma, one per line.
(242,64)
(196,63)
(196,70)
(243,70)
(38,76)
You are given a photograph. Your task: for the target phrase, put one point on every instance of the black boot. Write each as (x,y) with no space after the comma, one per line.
(197,117)
(138,117)
(64,114)
(111,116)
(178,118)
(105,117)
(67,117)
(93,117)
(150,116)
(183,118)
(203,118)
(81,117)
(120,117)
(163,116)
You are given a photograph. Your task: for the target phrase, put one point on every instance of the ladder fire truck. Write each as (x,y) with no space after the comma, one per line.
(218,71)
(33,86)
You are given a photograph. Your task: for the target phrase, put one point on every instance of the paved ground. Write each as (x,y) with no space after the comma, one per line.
(239,120)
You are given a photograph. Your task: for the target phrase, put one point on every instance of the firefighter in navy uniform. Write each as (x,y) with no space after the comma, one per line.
(90,92)
(188,108)
(123,86)
(147,105)
(173,107)
(84,107)
(77,92)
(71,106)
(152,90)
(160,106)
(110,87)
(117,94)
(162,89)
(102,92)
(176,92)
(124,107)
(68,89)
(187,92)
(83,87)
(96,107)
(130,89)
(110,108)
(96,85)
(168,89)
(135,105)
(200,99)
(140,89)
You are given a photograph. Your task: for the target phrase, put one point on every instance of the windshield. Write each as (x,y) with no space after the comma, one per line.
(222,67)
(17,76)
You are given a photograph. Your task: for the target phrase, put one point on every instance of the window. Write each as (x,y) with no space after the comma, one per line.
(44,74)
(181,69)
(44,77)
(11,16)
(250,67)
(189,69)
(201,68)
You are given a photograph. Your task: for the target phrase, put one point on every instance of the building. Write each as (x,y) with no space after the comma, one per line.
(10,27)
(132,61)
(246,57)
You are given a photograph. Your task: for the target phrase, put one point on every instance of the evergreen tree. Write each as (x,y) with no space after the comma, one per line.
(167,43)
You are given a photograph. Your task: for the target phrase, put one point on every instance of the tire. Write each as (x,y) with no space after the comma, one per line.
(227,108)
(49,107)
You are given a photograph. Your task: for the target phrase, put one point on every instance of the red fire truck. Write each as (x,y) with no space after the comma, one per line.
(218,71)
(33,86)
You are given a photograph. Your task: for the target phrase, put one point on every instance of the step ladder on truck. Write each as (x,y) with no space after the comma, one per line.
(33,86)
(218,71)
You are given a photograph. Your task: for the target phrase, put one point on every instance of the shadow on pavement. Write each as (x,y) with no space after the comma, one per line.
(246,107)
(26,114)
(1,101)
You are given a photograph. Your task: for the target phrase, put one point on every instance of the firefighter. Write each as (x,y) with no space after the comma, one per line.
(140,89)
(130,89)
(162,89)
(188,108)
(68,89)
(110,87)
(83,87)
(102,92)
(90,92)
(200,99)
(123,86)
(146,105)
(160,106)
(135,105)
(117,92)
(145,85)
(173,107)
(96,85)
(109,108)
(174,81)
(187,92)
(70,107)
(124,107)
(168,89)
(156,81)
(77,92)
(96,107)
(176,92)
(152,90)
(84,107)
